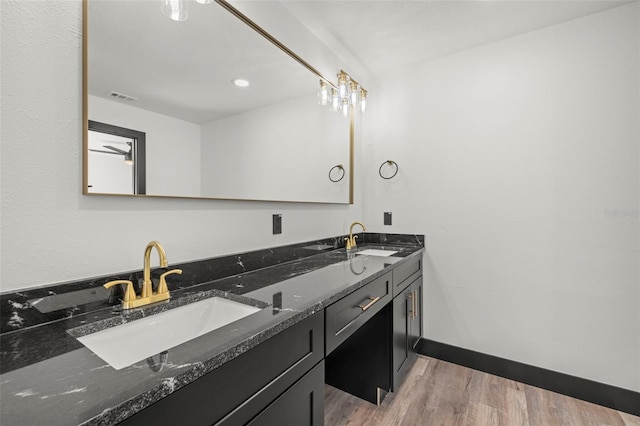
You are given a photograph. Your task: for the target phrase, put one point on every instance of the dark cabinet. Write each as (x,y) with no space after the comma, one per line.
(301,405)
(406,273)
(241,389)
(364,344)
(373,333)
(415,316)
(347,315)
(401,323)
(407,329)
(358,343)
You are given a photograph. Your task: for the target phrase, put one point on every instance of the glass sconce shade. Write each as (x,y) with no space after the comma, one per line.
(347,94)
(323,93)
(354,93)
(363,100)
(335,100)
(342,84)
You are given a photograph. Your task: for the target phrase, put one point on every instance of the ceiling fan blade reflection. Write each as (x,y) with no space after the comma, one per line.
(121,151)
(104,152)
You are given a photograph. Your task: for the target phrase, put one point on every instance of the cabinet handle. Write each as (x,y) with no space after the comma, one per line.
(370,304)
(410,311)
(413,313)
(415,304)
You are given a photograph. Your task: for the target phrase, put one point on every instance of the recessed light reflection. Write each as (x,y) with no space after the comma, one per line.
(240,82)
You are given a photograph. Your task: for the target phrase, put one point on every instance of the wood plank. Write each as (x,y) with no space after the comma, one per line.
(440,393)
(515,409)
(630,420)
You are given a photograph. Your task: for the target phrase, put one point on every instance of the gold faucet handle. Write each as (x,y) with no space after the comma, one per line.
(353,242)
(162,287)
(129,293)
(348,243)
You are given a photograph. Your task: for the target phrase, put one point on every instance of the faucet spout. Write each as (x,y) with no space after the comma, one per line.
(354,224)
(147,288)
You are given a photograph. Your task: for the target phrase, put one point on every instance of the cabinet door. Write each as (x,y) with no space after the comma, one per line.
(401,310)
(300,405)
(415,323)
(407,330)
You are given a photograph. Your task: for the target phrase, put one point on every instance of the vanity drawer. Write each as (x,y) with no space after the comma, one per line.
(404,274)
(346,315)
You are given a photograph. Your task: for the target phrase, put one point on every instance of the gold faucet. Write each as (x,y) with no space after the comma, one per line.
(147,288)
(147,296)
(351,239)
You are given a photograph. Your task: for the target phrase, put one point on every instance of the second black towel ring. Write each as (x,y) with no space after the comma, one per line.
(339,167)
(391,163)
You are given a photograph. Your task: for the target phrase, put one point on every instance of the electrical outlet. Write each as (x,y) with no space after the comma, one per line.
(387,218)
(277,224)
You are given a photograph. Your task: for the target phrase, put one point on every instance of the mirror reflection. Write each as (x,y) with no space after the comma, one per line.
(117,158)
(205,135)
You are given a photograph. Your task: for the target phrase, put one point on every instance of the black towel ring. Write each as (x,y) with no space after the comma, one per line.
(340,167)
(391,163)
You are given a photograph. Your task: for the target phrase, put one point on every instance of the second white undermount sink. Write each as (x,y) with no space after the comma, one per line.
(126,344)
(377,252)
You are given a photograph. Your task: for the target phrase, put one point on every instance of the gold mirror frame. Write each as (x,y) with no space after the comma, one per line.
(246,20)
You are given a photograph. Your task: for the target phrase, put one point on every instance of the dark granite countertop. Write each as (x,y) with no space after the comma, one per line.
(49,378)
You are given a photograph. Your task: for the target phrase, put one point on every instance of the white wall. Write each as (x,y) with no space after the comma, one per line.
(52,233)
(520,162)
(296,141)
(172,145)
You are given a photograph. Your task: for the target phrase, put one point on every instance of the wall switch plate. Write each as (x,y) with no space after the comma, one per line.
(277,224)
(387,218)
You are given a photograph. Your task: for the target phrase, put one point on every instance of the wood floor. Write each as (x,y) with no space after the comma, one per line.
(440,393)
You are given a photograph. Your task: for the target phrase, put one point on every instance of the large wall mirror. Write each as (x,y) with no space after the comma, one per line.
(202,135)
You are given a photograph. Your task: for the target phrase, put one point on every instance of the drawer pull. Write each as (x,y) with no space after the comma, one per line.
(370,304)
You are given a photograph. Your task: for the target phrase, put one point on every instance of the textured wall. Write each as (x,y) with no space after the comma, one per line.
(50,232)
(520,162)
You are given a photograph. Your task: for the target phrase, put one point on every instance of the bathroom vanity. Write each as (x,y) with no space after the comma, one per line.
(322,315)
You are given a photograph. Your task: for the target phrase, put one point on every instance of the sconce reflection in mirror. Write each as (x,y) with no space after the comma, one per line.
(162,360)
(336,173)
(107,174)
(348,94)
(388,169)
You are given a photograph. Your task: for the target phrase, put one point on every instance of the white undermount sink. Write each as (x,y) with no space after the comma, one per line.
(377,252)
(126,344)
